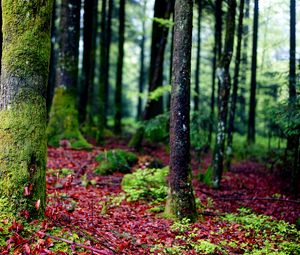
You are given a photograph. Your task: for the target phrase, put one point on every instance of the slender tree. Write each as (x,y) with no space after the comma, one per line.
(235,84)
(118,92)
(244,62)
(89,42)
(142,63)
(216,56)
(181,202)
(293,140)
(197,72)
(53,58)
(63,119)
(252,106)
(225,83)
(162,10)
(25,62)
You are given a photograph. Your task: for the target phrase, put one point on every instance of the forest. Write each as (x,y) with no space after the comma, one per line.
(149,127)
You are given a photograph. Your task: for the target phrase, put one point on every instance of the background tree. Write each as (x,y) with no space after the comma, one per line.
(118,92)
(216,56)
(181,197)
(235,84)
(252,104)
(63,119)
(225,83)
(25,62)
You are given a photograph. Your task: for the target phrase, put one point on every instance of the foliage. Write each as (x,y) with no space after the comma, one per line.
(199,129)
(156,129)
(164,22)
(147,184)
(115,160)
(207,176)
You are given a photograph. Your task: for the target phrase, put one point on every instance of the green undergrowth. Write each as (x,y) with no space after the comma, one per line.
(243,232)
(146,184)
(115,160)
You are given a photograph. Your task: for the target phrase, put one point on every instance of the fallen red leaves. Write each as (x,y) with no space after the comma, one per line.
(92,214)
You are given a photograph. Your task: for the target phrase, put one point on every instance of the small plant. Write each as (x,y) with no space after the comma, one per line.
(115,160)
(147,184)
(156,129)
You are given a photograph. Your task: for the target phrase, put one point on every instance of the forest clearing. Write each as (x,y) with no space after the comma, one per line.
(149,127)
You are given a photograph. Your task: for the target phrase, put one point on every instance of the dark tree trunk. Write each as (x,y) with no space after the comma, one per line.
(181,201)
(224,80)
(52,65)
(162,9)
(171,65)
(244,61)
(107,60)
(197,72)
(63,119)
(142,65)
(89,41)
(293,140)
(235,85)
(216,56)
(252,106)
(103,73)
(23,147)
(118,92)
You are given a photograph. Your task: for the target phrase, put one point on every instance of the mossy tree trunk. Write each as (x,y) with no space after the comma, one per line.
(63,121)
(252,106)
(181,201)
(235,86)
(224,81)
(216,56)
(25,63)
(119,81)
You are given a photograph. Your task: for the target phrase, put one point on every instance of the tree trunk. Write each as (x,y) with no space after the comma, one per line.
(142,64)
(118,92)
(53,62)
(107,60)
(252,107)
(235,85)
(244,60)
(293,140)
(216,56)
(89,42)
(197,72)
(181,201)
(162,9)
(224,80)
(25,62)
(63,119)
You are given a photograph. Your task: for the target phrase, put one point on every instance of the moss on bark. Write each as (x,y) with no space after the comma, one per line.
(23,155)
(63,123)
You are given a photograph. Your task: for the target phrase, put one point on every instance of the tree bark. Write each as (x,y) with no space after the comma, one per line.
(252,107)
(225,83)
(63,119)
(118,92)
(216,56)
(89,43)
(142,64)
(235,85)
(25,62)
(181,201)
(197,72)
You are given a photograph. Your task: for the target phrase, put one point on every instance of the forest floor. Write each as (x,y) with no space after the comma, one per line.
(89,214)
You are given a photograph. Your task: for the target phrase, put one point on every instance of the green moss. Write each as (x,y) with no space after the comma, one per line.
(147,184)
(115,160)
(23,154)
(63,122)
(30,50)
